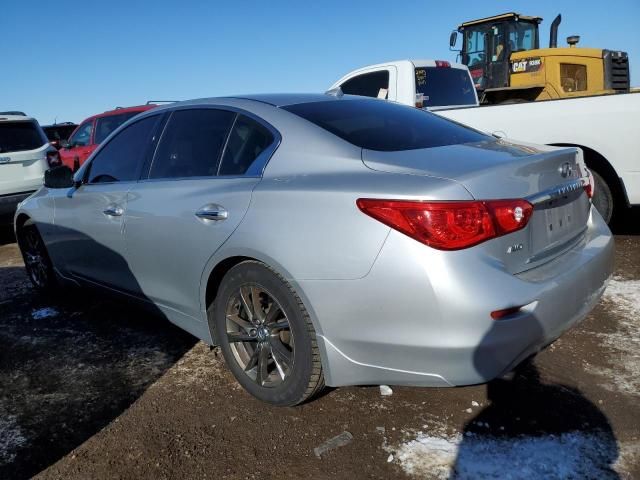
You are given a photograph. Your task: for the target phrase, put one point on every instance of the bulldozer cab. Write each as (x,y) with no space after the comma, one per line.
(507,64)
(487,45)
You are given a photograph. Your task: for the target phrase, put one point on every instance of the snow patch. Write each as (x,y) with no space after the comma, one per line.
(625,295)
(569,455)
(46,312)
(623,298)
(11,438)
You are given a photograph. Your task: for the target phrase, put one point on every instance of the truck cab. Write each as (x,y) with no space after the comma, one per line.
(429,84)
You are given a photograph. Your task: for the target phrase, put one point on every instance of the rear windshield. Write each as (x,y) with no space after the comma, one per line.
(19,136)
(107,124)
(59,132)
(384,126)
(443,86)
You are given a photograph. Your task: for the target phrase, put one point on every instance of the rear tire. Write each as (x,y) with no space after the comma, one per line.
(602,197)
(266,335)
(36,259)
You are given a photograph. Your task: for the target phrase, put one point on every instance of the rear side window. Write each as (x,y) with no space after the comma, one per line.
(20,136)
(374,84)
(442,86)
(122,158)
(191,144)
(247,140)
(384,126)
(106,125)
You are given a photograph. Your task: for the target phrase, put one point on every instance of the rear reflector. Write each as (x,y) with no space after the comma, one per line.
(499,314)
(589,186)
(450,225)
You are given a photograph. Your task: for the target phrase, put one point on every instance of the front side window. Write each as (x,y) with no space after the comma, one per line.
(192,144)
(475,38)
(384,126)
(19,136)
(247,140)
(573,78)
(106,125)
(82,137)
(374,84)
(121,159)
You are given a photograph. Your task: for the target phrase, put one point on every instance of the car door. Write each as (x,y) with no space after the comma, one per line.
(89,219)
(196,191)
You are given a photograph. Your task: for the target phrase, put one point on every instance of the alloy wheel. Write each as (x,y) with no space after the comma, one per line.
(259,335)
(35,258)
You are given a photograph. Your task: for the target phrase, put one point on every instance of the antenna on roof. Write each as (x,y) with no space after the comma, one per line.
(335,92)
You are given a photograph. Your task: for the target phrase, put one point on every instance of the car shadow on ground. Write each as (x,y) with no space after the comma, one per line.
(627,223)
(70,367)
(532,429)
(6,234)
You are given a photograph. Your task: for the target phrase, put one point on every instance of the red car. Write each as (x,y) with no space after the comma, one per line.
(90,133)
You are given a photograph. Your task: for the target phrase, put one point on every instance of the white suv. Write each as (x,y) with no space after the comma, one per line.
(25,154)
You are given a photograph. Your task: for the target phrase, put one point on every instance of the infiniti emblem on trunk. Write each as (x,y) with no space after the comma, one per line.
(566,170)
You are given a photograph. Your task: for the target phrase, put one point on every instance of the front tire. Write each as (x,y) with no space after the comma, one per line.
(266,335)
(36,258)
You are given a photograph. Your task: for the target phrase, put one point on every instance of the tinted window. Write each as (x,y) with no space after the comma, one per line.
(82,136)
(368,85)
(58,132)
(19,136)
(445,86)
(385,126)
(106,125)
(247,140)
(191,144)
(121,159)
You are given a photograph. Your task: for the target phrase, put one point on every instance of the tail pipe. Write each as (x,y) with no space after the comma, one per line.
(553,32)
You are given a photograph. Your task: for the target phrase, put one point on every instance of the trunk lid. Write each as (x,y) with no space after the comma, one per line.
(550,178)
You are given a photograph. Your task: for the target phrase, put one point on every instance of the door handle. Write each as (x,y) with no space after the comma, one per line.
(113,211)
(212,212)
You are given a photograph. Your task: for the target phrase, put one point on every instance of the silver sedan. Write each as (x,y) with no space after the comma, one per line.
(333,240)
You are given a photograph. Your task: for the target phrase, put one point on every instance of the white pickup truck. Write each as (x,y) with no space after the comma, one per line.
(606,128)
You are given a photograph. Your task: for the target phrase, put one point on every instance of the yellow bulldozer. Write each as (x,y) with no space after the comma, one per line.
(508,66)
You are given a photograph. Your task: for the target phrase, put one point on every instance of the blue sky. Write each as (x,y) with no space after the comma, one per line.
(71,59)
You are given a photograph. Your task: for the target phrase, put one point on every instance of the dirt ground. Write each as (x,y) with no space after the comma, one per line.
(93,388)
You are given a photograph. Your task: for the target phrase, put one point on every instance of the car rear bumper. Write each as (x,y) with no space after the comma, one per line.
(422,317)
(8,203)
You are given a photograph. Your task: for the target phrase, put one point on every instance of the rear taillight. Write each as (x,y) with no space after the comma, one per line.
(53,159)
(589,185)
(450,225)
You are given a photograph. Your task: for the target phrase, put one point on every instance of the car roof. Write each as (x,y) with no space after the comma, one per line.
(16,118)
(284,99)
(120,110)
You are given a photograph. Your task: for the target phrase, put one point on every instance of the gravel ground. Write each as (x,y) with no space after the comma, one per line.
(92,388)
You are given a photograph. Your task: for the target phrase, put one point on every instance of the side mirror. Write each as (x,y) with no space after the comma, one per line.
(59,177)
(66,144)
(453,39)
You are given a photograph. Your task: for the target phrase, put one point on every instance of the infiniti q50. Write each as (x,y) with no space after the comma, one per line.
(328,239)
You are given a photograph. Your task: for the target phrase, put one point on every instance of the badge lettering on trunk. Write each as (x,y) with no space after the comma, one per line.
(566,170)
(515,248)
